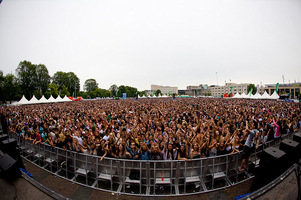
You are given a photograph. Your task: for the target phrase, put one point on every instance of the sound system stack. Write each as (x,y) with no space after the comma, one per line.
(273,162)
(173,96)
(297,137)
(2,138)
(292,149)
(10,147)
(9,167)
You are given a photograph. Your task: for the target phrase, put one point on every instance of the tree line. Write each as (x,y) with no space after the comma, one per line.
(32,79)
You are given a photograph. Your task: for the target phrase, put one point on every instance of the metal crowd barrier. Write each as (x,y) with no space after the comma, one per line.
(149,178)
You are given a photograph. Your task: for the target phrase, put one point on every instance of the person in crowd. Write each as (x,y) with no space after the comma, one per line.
(156,153)
(144,153)
(169,153)
(183,153)
(49,140)
(133,151)
(248,148)
(195,151)
(210,123)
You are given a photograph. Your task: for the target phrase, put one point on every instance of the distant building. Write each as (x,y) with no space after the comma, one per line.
(201,90)
(219,91)
(164,89)
(293,89)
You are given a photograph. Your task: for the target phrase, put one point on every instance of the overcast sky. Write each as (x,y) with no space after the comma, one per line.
(165,42)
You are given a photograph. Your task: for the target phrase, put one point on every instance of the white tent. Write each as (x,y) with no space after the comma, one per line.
(256,96)
(43,100)
(66,99)
(51,99)
(274,95)
(243,95)
(250,95)
(237,96)
(22,101)
(265,95)
(59,99)
(33,100)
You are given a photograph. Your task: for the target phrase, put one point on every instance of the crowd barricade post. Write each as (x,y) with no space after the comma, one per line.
(138,177)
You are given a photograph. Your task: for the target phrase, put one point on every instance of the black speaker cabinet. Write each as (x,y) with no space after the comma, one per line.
(10,147)
(9,167)
(2,137)
(273,162)
(272,156)
(173,96)
(292,149)
(297,137)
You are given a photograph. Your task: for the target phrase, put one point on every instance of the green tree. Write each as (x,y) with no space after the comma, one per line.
(37,94)
(64,91)
(60,79)
(32,77)
(142,93)
(69,80)
(90,85)
(107,93)
(131,91)
(121,90)
(53,90)
(1,86)
(73,83)
(83,94)
(250,86)
(42,78)
(113,89)
(157,92)
(26,76)
(10,88)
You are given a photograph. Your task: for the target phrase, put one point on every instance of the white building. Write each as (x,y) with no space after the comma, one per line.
(164,89)
(219,91)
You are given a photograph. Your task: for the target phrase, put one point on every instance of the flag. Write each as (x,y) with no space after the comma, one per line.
(277,86)
(73,94)
(231,89)
(257,87)
(251,91)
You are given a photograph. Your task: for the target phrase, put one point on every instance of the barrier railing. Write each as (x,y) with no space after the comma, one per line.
(137,177)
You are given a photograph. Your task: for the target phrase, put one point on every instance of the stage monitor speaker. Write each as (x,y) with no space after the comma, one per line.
(297,137)
(272,156)
(292,149)
(2,137)
(273,162)
(8,145)
(9,167)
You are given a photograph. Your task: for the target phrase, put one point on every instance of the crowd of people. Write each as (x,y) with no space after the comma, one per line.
(155,129)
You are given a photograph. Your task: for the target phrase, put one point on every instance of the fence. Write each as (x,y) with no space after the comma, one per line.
(136,177)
